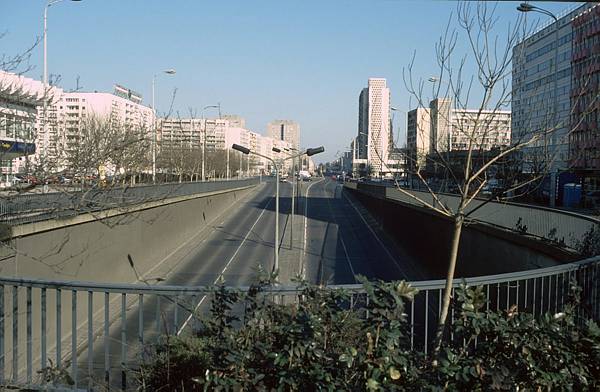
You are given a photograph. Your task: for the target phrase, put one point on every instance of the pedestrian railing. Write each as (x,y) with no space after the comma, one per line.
(97,332)
(20,209)
(561,227)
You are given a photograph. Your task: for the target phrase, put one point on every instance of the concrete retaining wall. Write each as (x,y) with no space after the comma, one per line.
(97,249)
(484,250)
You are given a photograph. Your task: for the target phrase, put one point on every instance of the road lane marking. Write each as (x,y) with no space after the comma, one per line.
(375,235)
(340,236)
(224,269)
(200,233)
(305,226)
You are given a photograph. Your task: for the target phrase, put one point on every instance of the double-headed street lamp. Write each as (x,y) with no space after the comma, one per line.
(526,7)
(294,188)
(169,71)
(308,152)
(218,106)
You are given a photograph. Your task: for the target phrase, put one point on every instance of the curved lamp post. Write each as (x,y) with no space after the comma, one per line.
(218,106)
(45,76)
(169,71)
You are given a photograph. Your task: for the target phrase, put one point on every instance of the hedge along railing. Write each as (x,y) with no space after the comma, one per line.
(547,223)
(102,329)
(15,210)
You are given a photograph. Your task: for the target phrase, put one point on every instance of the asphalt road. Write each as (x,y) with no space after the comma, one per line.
(338,240)
(232,249)
(343,240)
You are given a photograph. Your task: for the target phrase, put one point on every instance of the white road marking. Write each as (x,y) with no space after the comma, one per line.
(189,240)
(376,237)
(224,269)
(340,235)
(306,225)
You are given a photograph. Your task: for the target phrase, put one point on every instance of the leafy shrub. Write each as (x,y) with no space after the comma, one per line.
(589,245)
(249,342)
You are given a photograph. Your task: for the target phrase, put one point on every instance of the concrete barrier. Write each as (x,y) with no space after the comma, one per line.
(95,247)
(484,249)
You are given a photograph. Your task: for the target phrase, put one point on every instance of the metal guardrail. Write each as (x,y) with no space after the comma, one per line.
(105,327)
(554,225)
(20,209)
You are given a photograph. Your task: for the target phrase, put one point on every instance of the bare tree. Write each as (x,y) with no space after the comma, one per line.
(467,145)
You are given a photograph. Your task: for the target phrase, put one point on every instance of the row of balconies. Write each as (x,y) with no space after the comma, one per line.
(586,32)
(581,53)
(582,107)
(586,70)
(585,17)
(583,163)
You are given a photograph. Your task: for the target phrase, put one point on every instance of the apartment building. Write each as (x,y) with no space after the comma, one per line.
(220,134)
(374,130)
(19,100)
(418,128)
(73,111)
(180,132)
(453,129)
(286,130)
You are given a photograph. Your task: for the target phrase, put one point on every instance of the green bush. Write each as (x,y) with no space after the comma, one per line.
(248,343)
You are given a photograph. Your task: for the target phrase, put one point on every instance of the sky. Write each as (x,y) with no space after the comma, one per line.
(263,60)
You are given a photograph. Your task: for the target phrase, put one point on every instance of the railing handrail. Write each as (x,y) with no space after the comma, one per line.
(43,206)
(510,203)
(136,288)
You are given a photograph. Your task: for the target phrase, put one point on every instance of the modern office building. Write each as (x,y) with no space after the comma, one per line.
(553,82)
(541,89)
(378,137)
(363,125)
(285,130)
(584,138)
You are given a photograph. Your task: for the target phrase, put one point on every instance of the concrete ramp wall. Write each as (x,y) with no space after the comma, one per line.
(96,247)
(484,249)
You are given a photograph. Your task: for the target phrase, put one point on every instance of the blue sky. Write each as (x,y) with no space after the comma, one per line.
(301,60)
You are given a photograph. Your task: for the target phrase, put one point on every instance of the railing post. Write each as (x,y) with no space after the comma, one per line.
(29,337)
(15,333)
(74,337)
(2,378)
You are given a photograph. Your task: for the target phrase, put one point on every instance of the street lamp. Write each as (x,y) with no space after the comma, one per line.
(526,7)
(45,77)
(294,188)
(308,152)
(218,106)
(169,71)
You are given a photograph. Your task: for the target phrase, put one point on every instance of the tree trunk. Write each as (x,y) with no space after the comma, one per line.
(453,256)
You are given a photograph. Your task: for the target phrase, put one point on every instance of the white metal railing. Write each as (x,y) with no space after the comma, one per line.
(97,331)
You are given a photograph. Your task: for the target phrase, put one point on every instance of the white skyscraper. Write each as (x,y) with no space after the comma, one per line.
(378,131)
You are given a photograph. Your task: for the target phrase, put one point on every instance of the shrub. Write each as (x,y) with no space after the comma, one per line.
(249,342)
